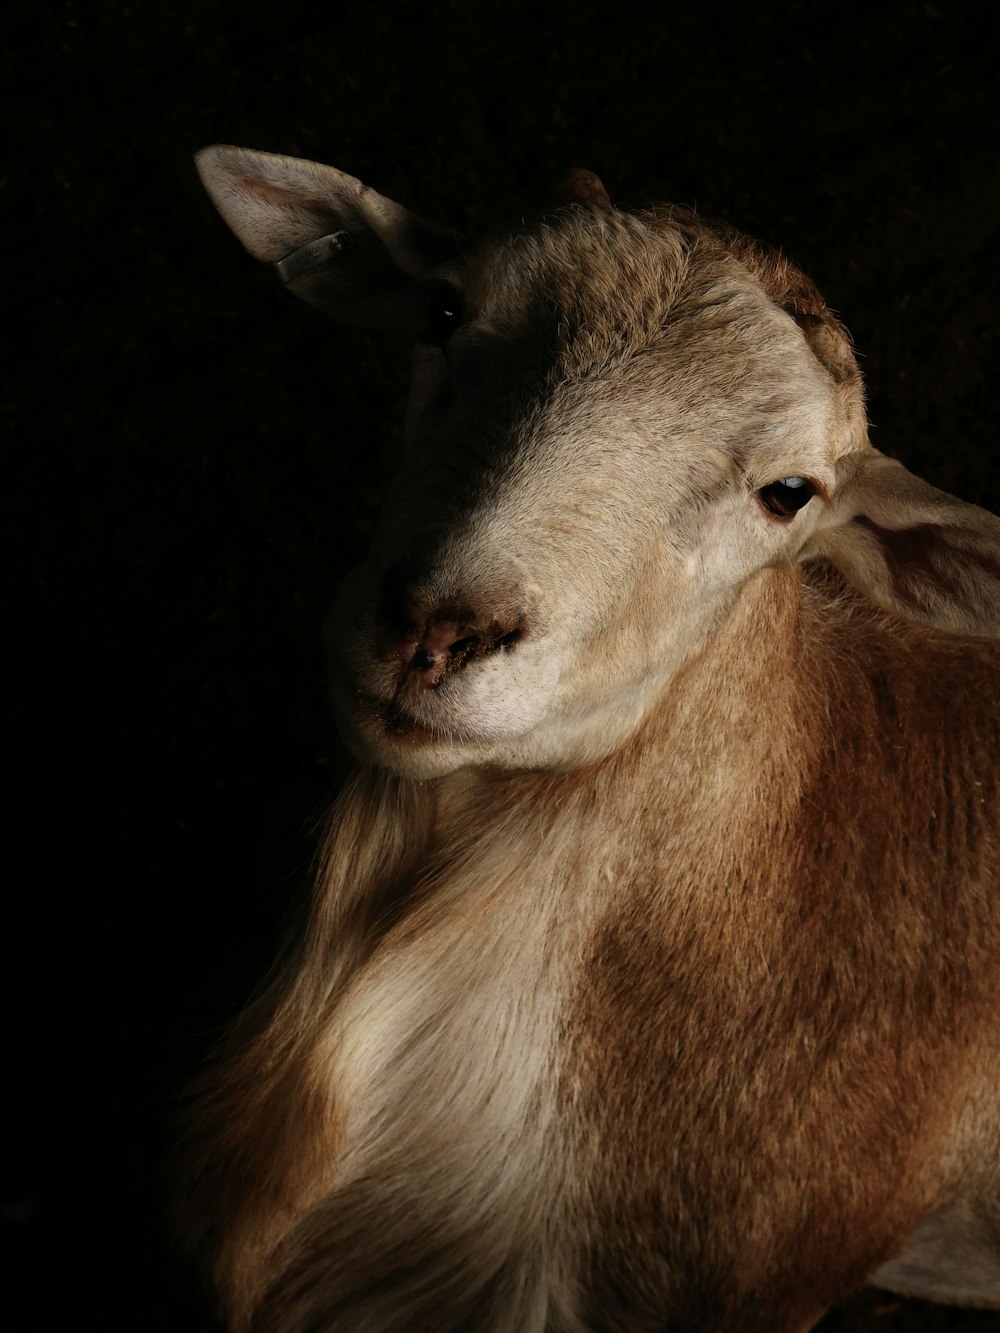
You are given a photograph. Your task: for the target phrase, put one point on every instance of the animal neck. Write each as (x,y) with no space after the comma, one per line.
(723,732)
(447,932)
(734,706)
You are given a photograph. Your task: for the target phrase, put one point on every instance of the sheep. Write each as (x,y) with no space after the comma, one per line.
(652,977)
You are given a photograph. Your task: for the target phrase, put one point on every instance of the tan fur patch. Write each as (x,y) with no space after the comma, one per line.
(653,971)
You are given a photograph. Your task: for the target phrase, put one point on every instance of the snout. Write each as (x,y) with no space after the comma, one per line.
(431,671)
(429,635)
(462,661)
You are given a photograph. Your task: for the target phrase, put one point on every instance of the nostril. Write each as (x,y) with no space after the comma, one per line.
(462,648)
(448,645)
(432,638)
(442,637)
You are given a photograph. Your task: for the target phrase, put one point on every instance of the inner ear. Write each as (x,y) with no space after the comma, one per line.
(282,197)
(911,549)
(335,242)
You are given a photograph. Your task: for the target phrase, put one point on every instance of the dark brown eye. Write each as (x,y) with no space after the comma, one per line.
(785,497)
(444,314)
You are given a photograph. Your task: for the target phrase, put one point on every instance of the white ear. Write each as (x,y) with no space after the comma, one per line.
(284,208)
(913,550)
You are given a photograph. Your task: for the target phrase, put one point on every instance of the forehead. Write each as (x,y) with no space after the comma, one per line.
(592,283)
(605,276)
(669,321)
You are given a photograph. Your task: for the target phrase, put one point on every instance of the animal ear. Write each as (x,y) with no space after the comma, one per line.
(913,550)
(578,186)
(334,242)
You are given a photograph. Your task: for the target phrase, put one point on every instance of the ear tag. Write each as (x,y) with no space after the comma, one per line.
(313,255)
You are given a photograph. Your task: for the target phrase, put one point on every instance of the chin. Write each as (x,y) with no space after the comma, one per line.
(398,744)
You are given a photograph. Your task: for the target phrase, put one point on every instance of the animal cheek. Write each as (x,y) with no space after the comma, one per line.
(722,558)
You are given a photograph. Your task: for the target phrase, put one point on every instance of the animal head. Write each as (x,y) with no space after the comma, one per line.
(617,420)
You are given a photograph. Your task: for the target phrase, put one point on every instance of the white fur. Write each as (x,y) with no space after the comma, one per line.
(635,899)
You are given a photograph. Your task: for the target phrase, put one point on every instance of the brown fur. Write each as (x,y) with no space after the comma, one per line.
(794,1140)
(777,1152)
(688,1017)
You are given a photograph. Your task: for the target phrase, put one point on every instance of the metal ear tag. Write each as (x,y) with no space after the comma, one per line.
(313,255)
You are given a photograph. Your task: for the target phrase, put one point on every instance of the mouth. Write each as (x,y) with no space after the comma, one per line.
(374,717)
(390,714)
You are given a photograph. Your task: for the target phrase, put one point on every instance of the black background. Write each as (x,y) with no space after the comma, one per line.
(193,459)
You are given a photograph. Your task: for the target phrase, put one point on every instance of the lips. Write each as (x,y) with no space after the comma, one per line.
(391,718)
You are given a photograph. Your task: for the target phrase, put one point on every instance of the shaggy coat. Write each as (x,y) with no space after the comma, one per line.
(652,977)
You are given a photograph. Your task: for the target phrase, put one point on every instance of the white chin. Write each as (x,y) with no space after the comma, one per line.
(403,746)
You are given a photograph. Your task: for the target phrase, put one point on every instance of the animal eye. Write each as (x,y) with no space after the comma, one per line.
(444,314)
(785,497)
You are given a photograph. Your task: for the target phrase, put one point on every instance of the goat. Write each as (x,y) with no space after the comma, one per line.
(652,978)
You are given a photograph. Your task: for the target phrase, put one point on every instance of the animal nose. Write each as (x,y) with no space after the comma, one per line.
(434,638)
(446,645)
